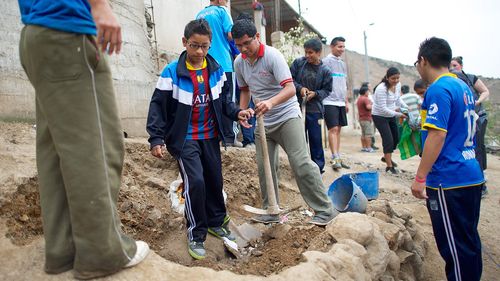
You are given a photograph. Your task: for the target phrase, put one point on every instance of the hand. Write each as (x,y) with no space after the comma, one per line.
(347,107)
(304,91)
(109,34)
(311,95)
(418,190)
(262,107)
(158,151)
(243,117)
(477,103)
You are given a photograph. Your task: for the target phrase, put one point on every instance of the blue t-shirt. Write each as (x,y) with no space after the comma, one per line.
(220,23)
(65,15)
(449,106)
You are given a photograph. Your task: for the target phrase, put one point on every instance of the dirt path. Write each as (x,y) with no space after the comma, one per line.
(146,214)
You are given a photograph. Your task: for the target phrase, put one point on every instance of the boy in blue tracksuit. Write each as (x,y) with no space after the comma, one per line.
(185,116)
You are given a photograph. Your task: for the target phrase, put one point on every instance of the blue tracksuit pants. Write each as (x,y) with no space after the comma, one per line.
(455,216)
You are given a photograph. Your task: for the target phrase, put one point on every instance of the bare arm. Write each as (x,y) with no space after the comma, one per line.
(432,148)
(109,35)
(483,91)
(285,94)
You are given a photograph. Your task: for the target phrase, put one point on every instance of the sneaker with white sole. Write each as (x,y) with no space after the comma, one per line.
(196,250)
(322,220)
(140,254)
(266,218)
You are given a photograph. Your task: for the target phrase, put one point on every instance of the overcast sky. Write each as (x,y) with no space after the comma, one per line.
(470,26)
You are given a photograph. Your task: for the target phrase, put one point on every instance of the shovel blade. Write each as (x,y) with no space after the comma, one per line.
(258,211)
(232,247)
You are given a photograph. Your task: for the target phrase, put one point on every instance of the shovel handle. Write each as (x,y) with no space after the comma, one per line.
(271,195)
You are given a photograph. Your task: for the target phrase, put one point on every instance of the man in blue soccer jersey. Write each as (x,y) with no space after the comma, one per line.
(185,117)
(449,176)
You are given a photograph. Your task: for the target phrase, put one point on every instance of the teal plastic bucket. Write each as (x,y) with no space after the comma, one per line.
(368,182)
(346,196)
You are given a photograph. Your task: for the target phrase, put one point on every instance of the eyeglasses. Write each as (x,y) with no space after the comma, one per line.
(246,43)
(197,46)
(415,64)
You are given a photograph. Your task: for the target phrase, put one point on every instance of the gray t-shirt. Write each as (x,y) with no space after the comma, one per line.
(265,78)
(339,80)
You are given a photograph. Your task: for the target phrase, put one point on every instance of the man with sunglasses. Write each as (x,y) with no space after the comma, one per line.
(220,23)
(262,71)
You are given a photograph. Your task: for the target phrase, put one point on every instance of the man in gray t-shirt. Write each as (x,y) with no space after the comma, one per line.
(263,73)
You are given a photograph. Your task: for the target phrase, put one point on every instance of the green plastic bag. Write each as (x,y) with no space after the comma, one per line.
(410,143)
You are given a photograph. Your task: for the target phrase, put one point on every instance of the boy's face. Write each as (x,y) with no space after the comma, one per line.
(338,49)
(196,47)
(312,56)
(249,46)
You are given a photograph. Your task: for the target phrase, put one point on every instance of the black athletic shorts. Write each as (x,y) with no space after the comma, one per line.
(335,116)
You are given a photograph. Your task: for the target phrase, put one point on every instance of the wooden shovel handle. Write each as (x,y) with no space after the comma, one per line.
(271,195)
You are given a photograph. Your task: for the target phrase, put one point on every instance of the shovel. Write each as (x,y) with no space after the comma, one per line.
(273,208)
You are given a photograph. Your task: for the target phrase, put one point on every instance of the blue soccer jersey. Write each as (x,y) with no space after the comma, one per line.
(220,23)
(449,106)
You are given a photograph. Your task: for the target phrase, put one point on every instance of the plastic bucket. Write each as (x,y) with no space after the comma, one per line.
(346,196)
(368,182)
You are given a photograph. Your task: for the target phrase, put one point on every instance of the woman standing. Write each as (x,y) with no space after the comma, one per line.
(481,93)
(387,106)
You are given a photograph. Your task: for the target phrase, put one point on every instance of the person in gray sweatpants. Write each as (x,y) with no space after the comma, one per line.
(262,71)
(79,140)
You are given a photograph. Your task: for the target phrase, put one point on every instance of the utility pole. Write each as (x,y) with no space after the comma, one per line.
(367,69)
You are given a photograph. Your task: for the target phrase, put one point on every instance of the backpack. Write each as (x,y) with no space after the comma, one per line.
(469,80)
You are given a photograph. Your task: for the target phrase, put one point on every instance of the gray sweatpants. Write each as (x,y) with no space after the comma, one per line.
(79,152)
(290,136)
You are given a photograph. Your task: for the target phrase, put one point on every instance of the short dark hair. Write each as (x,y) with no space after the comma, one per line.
(313,44)
(243,27)
(419,84)
(459,59)
(245,16)
(363,90)
(405,89)
(198,26)
(336,40)
(436,51)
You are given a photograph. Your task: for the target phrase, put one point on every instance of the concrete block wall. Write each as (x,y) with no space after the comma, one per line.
(134,72)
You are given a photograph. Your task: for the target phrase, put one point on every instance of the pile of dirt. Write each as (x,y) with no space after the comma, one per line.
(146,214)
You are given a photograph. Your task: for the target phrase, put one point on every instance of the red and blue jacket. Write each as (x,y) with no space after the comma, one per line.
(171,105)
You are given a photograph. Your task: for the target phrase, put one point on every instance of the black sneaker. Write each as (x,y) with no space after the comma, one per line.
(392,170)
(393,163)
(196,250)
(375,147)
(221,232)
(266,218)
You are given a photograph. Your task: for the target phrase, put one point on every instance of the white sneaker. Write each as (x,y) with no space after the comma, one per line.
(140,254)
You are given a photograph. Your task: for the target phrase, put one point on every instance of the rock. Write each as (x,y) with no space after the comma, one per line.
(381,216)
(378,254)
(257,253)
(278,231)
(126,206)
(155,215)
(390,231)
(245,233)
(402,212)
(156,183)
(403,255)
(408,243)
(411,226)
(296,245)
(351,246)
(382,206)
(24,218)
(357,227)
(394,265)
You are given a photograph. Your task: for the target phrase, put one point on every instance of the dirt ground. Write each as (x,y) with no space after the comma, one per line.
(146,214)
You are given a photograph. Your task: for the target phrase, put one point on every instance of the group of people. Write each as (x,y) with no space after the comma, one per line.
(193,107)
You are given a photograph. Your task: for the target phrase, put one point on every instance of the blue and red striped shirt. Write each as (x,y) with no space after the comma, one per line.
(202,125)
